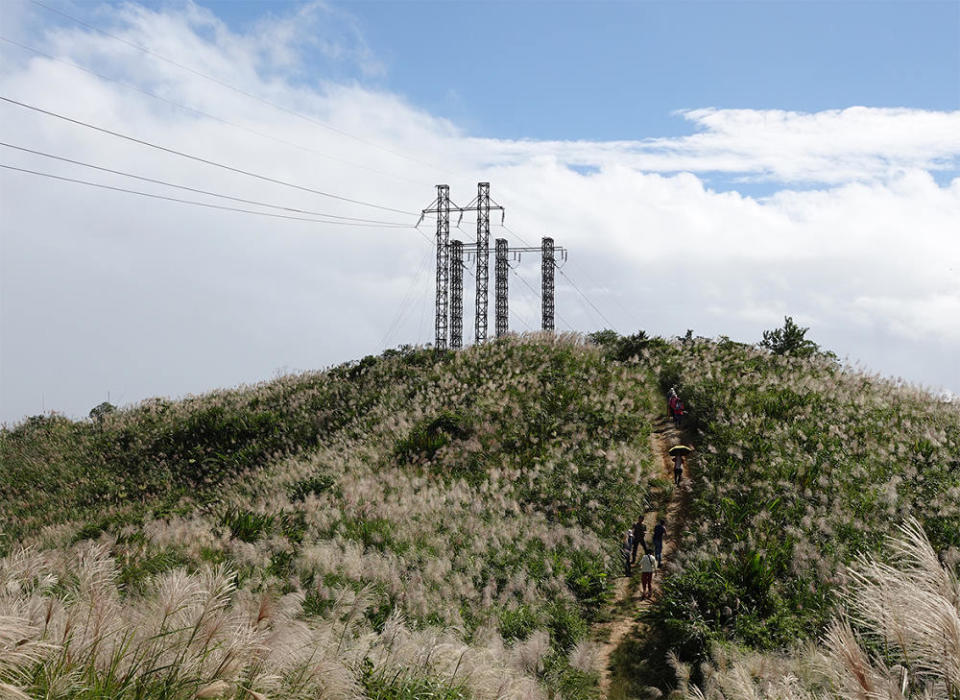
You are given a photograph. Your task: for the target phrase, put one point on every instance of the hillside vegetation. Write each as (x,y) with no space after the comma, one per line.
(446,526)
(802,466)
(412,525)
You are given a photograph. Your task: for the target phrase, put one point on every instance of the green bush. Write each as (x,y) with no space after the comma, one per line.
(311,486)
(246,525)
(404,685)
(518,623)
(588,581)
(428,436)
(566,624)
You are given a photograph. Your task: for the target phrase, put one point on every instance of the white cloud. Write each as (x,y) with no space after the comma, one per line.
(830,147)
(103,291)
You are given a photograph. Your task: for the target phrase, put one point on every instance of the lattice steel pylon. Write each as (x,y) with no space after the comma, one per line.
(483,207)
(547,265)
(441,207)
(501,279)
(456,295)
(483,261)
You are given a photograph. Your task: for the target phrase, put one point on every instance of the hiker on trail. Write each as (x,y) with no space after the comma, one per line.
(658,532)
(648,564)
(672,399)
(677,412)
(625,551)
(678,461)
(639,537)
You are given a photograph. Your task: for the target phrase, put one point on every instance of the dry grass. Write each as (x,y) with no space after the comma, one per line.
(898,638)
(392,559)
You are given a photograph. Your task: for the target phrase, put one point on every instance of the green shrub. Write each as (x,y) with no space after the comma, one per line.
(246,525)
(405,685)
(587,579)
(428,436)
(136,570)
(566,624)
(311,486)
(518,622)
(315,605)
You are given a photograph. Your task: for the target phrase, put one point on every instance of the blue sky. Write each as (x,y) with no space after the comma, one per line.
(622,70)
(619,70)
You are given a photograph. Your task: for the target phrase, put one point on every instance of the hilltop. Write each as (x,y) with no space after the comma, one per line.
(424,524)
(405,524)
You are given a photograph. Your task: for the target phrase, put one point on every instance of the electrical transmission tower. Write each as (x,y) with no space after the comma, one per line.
(547,265)
(450,266)
(548,252)
(456,295)
(501,268)
(483,207)
(441,207)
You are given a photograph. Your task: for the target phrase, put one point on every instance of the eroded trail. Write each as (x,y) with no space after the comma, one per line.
(670,503)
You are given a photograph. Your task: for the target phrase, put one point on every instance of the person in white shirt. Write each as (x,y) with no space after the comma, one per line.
(648,564)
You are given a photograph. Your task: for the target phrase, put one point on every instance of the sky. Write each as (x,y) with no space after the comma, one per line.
(712,166)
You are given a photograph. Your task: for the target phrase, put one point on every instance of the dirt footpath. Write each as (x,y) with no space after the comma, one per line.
(627,604)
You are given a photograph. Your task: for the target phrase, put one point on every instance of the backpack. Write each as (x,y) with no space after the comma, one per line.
(678,407)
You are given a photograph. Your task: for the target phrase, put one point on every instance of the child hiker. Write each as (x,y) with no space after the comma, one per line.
(648,564)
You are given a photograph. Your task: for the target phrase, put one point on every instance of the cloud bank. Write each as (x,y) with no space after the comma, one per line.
(107,292)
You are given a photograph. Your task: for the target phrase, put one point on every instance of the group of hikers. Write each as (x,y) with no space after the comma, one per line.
(636,536)
(678,452)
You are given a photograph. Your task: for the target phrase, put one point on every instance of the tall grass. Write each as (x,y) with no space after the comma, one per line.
(411,525)
(802,465)
(897,636)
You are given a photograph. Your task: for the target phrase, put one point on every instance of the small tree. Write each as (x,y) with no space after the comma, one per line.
(99,412)
(632,345)
(604,338)
(789,340)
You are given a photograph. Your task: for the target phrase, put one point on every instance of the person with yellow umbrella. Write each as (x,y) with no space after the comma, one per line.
(679,454)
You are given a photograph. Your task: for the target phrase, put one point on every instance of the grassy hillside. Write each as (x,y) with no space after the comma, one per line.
(407,526)
(802,465)
(424,525)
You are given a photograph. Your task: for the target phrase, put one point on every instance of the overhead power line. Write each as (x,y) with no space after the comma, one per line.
(537,297)
(207,115)
(405,304)
(206,161)
(585,297)
(519,237)
(234,88)
(199,191)
(572,283)
(207,205)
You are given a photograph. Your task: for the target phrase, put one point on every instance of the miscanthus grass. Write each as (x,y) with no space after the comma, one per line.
(802,465)
(412,525)
(897,637)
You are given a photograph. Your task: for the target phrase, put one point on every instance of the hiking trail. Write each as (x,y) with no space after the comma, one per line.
(670,503)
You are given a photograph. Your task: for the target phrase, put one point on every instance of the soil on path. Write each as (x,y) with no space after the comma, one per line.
(670,503)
